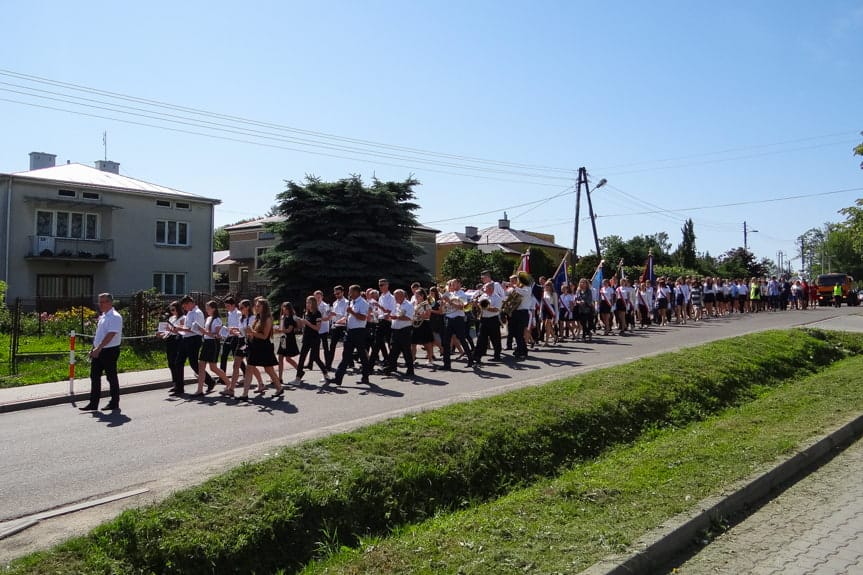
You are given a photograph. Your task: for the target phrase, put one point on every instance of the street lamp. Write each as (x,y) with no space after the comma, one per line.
(746,233)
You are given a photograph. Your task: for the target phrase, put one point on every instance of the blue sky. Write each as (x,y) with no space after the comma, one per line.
(678,104)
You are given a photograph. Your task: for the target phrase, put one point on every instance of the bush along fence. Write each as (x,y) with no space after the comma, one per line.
(46,318)
(274,514)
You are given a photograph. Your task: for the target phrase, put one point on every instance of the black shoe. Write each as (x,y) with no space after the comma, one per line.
(210,385)
(365,381)
(497,358)
(410,373)
(176,392)
(111,407)
(471,363)
(89,407)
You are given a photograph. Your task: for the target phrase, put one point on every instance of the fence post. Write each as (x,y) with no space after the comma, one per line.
(13,344)
(72,363)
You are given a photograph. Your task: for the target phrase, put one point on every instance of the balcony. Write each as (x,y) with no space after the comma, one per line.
(48,248)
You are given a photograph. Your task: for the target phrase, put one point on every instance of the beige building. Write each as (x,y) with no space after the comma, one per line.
(501,238)
(71,231)
(249,241)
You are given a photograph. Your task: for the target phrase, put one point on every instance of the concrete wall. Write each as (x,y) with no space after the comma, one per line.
(128,220)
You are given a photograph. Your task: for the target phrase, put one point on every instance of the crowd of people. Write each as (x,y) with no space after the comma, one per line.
(380,330)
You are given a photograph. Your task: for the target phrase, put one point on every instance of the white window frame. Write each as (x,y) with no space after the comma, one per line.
(167,225)
(163,204)
(187,206)
(84,227)
(159,282)
(266,235)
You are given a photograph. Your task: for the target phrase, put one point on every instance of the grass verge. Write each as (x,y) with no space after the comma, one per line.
(54,366)
(281,512)
(596,508)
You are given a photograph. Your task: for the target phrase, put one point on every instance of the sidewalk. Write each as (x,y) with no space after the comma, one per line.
(808,523)
(816,526)
(44,394)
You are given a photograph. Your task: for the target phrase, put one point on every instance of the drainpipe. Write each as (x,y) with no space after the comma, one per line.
(212,244)
(8,226)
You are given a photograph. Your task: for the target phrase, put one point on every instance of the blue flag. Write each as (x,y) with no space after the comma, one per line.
(597,277)
(560,278)
(649,275)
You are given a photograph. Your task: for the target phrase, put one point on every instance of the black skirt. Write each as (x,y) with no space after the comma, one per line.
(209,351)
(261,353)
(288,345)
(423,334)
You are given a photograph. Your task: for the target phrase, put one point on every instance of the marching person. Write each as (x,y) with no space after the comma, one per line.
(422,334)
(210,349)
(232,321)
(104,355)
(384,306)
(489,323)
(260,349)
(190,348)
(454,322)
(311,323)
(520,320)
(355,338)
(172,338)
(401,328)
(584,308)
(339,313)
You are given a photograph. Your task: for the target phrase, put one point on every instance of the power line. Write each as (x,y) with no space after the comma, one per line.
(282,127)
(227,128)
(564,192)
(266,145)
(734,204)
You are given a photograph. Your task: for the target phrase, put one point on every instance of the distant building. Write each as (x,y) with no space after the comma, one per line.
(72,231)
(250,240)
(500,238)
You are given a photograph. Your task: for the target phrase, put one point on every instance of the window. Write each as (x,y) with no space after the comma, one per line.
(172,233)
(63,286)
(163,203)
(182,205)
(266,235)
(90,195)
(67,193)
(169,283)
(75,225)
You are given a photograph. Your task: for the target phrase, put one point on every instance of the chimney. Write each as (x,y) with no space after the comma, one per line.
(471,231)
(108,166)
(41,160)
(504,223)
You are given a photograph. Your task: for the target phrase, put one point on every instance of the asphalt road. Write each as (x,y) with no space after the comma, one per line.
(55,456)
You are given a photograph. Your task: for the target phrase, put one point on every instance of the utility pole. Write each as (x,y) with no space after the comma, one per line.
(582,182)
(582,179)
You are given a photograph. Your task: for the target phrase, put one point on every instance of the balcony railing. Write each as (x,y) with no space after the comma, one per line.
(70,249)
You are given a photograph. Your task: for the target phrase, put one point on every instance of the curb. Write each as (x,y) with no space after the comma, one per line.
(678,533)
(82,396)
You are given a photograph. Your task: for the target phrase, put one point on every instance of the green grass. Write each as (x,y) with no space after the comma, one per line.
(600,507)
(321,495)
(55,367)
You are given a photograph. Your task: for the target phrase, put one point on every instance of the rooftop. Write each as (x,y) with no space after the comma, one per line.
(85,176)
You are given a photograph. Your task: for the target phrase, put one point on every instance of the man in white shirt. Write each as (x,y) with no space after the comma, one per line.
(386,303)
(400,334)
(192,332)
(355,339)
(485,276)
(232,321)
(454,322)
(104,355)
(339,312)
(489,322)
(324,331)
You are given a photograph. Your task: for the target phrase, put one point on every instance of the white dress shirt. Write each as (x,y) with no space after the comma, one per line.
(109,322)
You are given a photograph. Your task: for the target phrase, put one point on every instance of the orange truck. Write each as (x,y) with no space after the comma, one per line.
(826,283)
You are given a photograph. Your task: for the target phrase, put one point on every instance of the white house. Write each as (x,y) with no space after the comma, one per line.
(72,231)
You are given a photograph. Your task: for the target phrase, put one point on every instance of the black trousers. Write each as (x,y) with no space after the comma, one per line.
(324,339)
(381,340)
(355,340)
(517,324)
(337,334)
(190,348)
(106,363)
(228,347)
(489,331)
(172,354)
(454,326)
(400,343)
(313,345)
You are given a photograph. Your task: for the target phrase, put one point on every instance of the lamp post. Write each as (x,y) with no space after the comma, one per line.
(746,233)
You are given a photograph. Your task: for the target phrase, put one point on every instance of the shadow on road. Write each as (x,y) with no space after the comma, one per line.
(112,418)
